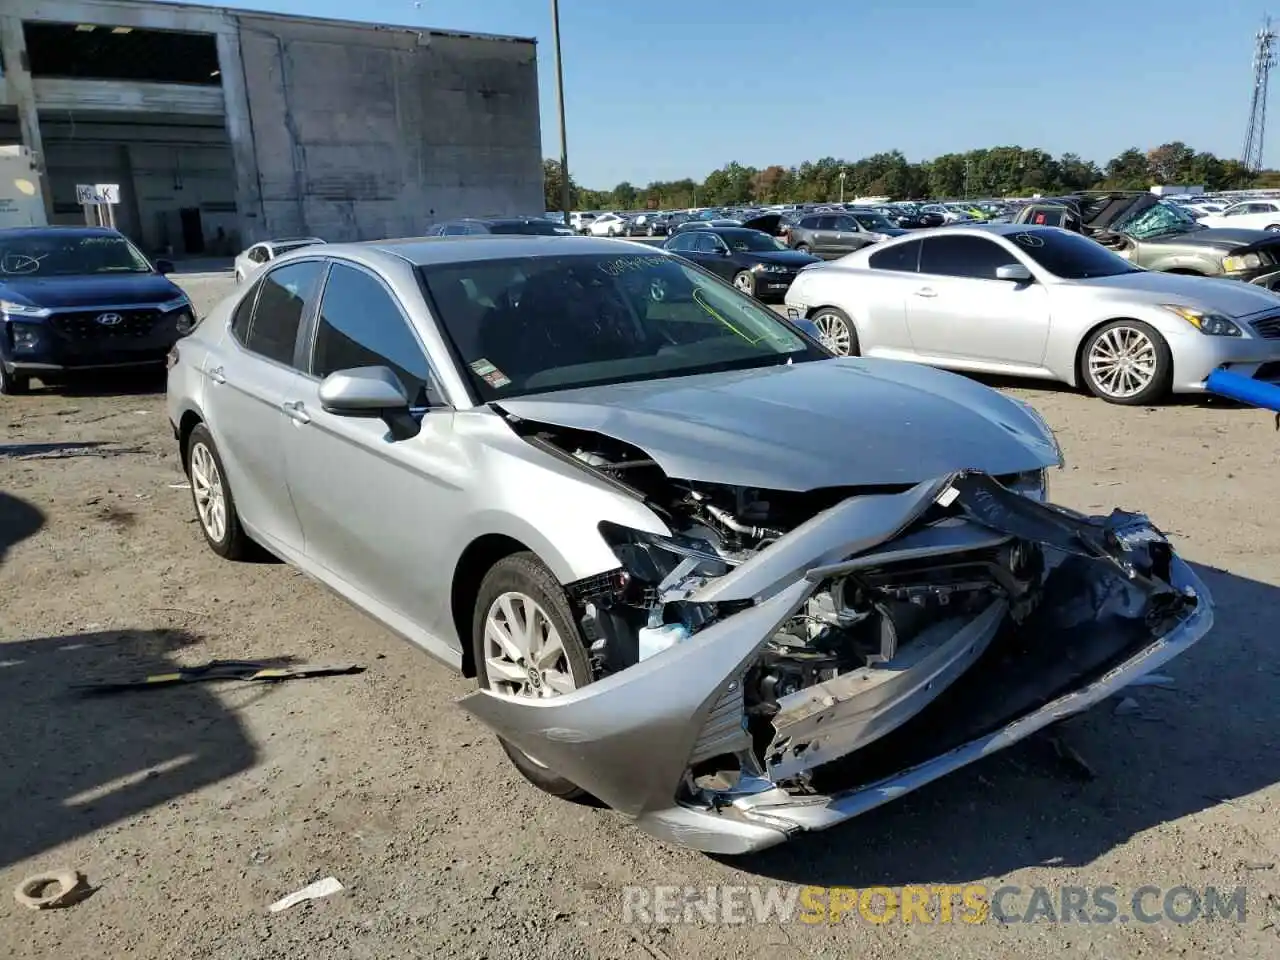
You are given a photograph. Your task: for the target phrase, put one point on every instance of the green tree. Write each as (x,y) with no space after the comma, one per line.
(623,196)
(1128,171)
(553,183)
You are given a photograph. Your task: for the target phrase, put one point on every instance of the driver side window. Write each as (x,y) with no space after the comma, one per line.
(361,325)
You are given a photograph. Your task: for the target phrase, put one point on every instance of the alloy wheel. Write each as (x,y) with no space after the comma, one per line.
(209,494)
(835,333)
(744,282)
(524,654)
(1122,362)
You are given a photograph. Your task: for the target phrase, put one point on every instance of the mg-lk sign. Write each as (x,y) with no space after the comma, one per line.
(97,193)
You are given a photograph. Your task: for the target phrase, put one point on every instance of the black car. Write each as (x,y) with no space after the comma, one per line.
(756,263)
(647,225)
(695,223)
(471,226)
(82,298)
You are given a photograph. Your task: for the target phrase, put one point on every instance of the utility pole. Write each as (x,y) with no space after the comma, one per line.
(843,174)
(565,201)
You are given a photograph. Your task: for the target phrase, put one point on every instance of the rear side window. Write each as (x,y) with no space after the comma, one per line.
(282,298)
(902,257)
(243,314)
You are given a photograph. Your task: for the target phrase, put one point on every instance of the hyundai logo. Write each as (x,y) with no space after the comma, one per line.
(110,319)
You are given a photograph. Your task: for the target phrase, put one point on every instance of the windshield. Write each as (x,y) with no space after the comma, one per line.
(68,255)
(873,221)
(753,241)
(541,228)
(1071,256)
(536,324)
(1161,219)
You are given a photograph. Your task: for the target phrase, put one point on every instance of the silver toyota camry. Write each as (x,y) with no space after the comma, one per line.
(701,569)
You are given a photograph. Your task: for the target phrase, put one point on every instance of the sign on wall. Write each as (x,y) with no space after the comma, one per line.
(97,193)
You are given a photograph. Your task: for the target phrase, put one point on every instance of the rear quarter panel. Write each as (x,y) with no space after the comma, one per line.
(873,299)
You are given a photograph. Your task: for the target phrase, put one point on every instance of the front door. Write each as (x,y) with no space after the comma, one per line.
(957,309)
(372,507)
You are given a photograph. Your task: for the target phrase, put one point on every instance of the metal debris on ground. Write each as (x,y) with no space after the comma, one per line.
(244,670)
(321,888)
(45,891)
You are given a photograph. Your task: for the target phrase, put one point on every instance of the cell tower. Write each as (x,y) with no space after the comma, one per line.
(1264,58)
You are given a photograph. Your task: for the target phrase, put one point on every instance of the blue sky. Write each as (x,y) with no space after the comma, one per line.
(661,89)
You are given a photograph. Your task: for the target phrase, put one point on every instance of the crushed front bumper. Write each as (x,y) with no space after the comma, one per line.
(1111,614)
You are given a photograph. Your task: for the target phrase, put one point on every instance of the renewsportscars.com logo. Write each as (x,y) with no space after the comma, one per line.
(930,904)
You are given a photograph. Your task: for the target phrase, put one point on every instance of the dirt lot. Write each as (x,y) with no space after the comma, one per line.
(191,809)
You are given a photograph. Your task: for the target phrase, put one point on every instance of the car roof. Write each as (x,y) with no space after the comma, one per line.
(84,231)
(423,251)
(281,240)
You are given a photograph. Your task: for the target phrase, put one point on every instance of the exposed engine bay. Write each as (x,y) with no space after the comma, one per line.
(779,661)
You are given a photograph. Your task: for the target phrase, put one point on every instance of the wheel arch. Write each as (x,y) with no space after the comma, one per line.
(186,424)
(468,573)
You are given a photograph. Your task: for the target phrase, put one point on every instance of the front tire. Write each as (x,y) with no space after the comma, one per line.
(745,281)
(526,643)
(1127,362)
(803,248)
(211,496)
(838,331)
(1273,227)
(13,384)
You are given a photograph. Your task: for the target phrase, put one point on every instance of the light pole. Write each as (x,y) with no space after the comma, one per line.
(842,176)
(565,201)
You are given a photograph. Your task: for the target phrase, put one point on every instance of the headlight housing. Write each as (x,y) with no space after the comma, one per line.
(770,268)
(177,303)
(11,309)
(1209,323)
(1245,261)
(26,337)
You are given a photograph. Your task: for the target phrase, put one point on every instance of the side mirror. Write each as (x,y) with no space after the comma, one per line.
(164,266)
(1014,272)
(369,392)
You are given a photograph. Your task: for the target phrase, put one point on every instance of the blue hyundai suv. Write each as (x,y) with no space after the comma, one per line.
(82,298)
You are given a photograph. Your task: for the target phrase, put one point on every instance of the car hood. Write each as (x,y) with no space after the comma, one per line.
(807,426)
(1224,238)
(787,258)
(1233,298)
(89,291)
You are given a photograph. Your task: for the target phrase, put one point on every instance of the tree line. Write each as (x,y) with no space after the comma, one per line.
(991,172)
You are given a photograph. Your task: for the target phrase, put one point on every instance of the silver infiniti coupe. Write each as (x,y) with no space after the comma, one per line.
(702,570)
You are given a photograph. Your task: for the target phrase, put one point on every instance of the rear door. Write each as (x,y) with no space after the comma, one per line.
(248,383)
(957,309)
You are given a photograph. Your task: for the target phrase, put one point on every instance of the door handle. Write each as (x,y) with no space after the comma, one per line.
(216,375)
(294,410)
(926,292)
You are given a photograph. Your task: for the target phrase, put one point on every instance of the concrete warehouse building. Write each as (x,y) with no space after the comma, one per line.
(225,127)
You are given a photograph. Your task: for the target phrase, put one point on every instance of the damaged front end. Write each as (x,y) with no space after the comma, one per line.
(782,662)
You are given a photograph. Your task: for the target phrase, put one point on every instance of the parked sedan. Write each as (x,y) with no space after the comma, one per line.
(677,543)
(1040,302)
(250,261)
(506,226)
(1249,215)
(75,299)
(756,263)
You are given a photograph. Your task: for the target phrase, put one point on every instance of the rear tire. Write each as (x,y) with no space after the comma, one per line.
(802,248)
(838,331)
(524,576)
(211,496)
(1273,227)
(13,384)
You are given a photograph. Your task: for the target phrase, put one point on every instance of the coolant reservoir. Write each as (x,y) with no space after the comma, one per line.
(656,639)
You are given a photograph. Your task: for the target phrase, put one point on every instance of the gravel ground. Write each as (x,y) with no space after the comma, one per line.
(191,809)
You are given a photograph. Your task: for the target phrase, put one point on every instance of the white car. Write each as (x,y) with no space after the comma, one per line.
(608,225)
(1042,302)
(250,261)
(1248,215)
